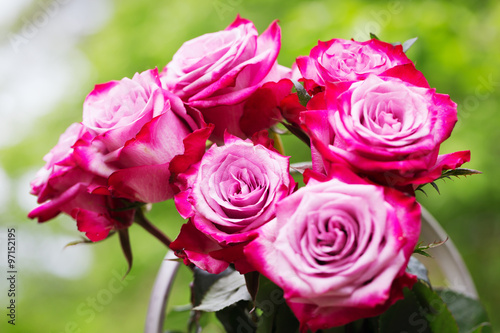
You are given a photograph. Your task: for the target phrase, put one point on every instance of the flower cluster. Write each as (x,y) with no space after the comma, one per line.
(339,246)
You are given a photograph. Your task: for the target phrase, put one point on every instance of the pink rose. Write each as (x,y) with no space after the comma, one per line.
(219,72)
(232,192)
(41,186)
(348,60)
(63,186)
(339,249)
(133,134)
(387,127)
(138,129)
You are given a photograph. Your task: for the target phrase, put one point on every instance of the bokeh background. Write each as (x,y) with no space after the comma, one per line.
(52,52)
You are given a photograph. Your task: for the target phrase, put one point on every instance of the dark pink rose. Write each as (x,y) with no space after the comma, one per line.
(339,249)
(218,72)
(138,129)
(388,127)
(232,192)
(348,60)
(62,186)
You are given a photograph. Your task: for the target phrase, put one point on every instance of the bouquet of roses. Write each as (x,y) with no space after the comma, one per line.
(267,256)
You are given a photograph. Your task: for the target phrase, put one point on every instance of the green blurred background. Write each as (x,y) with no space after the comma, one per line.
(50,63)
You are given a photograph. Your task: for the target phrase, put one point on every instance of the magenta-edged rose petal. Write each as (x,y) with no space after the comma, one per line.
(95,226)
(93,156)
(218,72)
(96,212)
(338,249)
(132,129)
(237,187)
(233,191)
(194,247)
(348,60)
(148,145)
(158,142)
(54,207)
(97,223)
(145,178)
(194,149)
(311,316)
(147,183)
(117,110)
(56,162)
(261,110)
(384,127)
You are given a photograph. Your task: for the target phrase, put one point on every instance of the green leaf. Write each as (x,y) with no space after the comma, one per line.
(420,248)
(408,44)
(203,322)
(435,187)
(447,174)
(226,291)
(434,309)
(422,310)
(276,316)
(202,281)
(469,313)
(404,316)
(459,172)
(373,36)
(235,318)
(418,269)
(422,253)
(304,97)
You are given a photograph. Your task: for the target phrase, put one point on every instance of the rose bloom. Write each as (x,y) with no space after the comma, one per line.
(132,135)
(63,186)
(339,249)
(232,192)
(138,128)
(339,60)
(387,127)
(348,60)
(220,73)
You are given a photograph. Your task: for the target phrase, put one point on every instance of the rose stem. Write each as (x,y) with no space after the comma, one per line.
(141,220)
(278,143)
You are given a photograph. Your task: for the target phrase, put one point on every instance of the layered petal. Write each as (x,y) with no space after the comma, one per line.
(348,60)
(338,249)
(385,127)
(233,191)
(219,72)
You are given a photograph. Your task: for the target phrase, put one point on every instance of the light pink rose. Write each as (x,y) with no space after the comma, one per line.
(219,72)
(62,186)
(138,129)
(117,110)
(348,60)
(339,249)
(388,127)
(231,193)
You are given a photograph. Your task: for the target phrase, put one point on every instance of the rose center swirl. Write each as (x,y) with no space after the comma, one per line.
(329,240)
